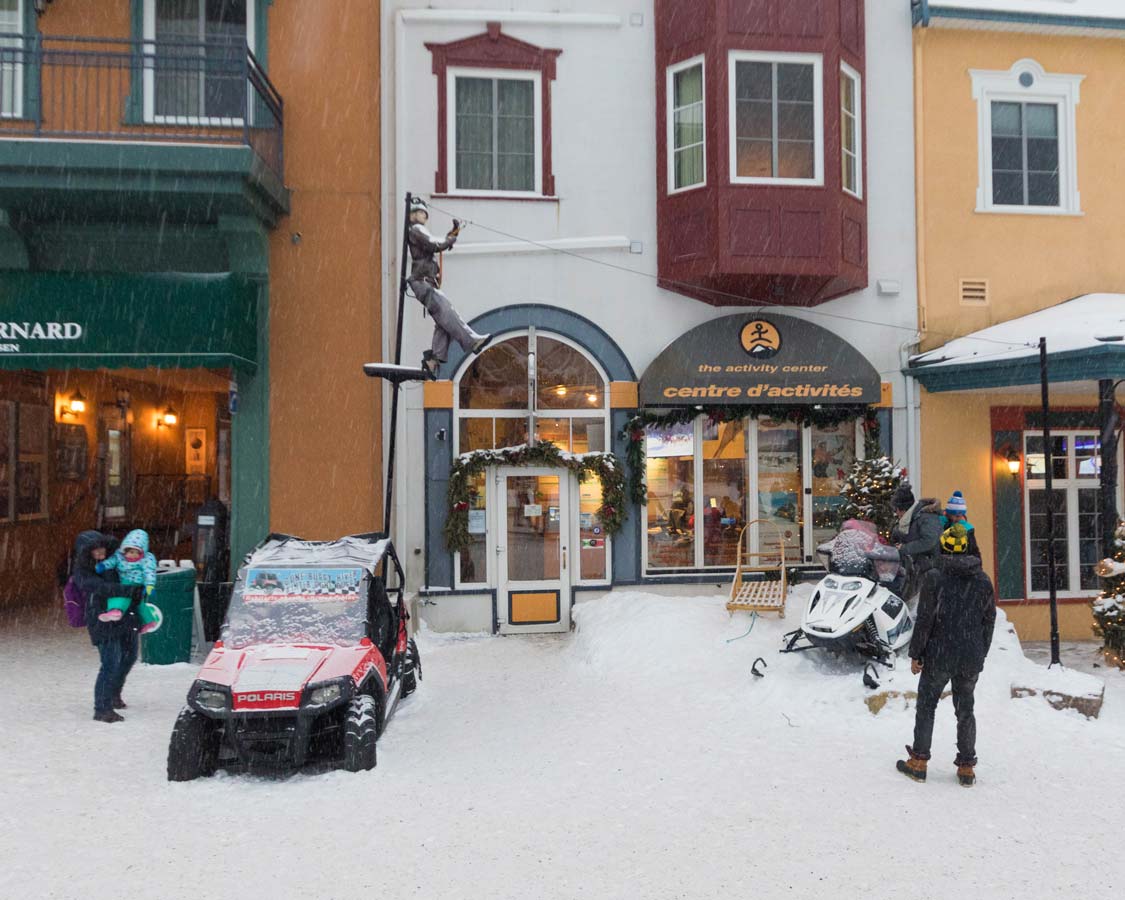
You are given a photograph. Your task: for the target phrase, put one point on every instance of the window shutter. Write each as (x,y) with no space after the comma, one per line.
(974,291)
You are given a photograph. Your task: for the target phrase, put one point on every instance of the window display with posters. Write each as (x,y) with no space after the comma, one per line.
(724,490)
(833,455)
(670,473)
(33,424)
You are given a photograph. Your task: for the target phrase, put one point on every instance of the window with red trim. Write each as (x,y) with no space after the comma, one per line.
(494,116)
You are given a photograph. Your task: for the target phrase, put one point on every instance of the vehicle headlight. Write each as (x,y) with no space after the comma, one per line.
(851,585)
(325,694)
(830,583)
(213,700)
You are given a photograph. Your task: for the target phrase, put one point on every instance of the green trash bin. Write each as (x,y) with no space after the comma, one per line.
(175,595)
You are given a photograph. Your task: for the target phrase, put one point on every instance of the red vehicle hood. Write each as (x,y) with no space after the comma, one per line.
(273,676)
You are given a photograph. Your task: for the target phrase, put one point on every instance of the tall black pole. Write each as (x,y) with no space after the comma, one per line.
(1049,465)
(395,387)
(1107,418)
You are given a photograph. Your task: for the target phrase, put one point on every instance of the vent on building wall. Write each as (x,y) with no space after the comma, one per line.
(974,292)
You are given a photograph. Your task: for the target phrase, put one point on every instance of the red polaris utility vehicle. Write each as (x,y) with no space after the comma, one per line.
(313,660)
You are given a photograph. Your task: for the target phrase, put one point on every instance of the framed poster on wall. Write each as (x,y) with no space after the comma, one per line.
(195,451)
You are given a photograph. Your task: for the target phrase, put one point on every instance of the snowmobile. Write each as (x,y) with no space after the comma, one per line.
(313,659)
(856,607)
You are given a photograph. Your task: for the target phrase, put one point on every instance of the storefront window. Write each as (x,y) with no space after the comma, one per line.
(724,490)
(474,559)
(33,423)
(670,472)
(780,483)
(1075,468)
(591,534)
(480,433)
(567,380)
(833,455)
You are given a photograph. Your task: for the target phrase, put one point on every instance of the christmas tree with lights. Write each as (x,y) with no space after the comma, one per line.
(1109,608)
(871,485)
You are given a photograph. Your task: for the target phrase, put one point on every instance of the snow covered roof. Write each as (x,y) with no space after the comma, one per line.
(1066,13)
(1109,9)
(1085,341)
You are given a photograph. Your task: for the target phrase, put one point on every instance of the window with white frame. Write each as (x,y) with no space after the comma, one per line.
(532,380)
(494,143)
(687,165)
(11,58)
(851,130)
(1076,477)
(1027,140)
(198,71)
(777,118)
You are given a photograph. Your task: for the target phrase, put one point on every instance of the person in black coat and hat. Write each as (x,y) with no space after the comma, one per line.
(116,641)
(956,618)
(917,533)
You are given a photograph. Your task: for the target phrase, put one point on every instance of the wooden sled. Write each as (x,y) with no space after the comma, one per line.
(395,374)
(765,589)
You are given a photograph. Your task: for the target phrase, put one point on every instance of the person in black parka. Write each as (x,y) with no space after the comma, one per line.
(956,617)
(116,641)
(916,534)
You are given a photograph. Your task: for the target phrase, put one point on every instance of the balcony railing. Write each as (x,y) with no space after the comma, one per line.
(115,90)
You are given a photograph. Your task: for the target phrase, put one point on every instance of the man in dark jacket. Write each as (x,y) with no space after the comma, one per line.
(116,641)
(917,533)
(956,616)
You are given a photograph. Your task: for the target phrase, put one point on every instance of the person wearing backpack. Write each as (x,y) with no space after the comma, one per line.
(956,618)
(116,641)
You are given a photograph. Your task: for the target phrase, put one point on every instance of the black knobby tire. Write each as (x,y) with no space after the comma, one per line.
(412,670)
(193,751)
(361,731)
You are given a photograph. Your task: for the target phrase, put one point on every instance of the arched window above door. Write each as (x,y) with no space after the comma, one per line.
(535,380)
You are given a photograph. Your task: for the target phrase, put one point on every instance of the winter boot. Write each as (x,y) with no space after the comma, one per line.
(965,774)
(110,716)
(481,342)
(430,365)
(915,766)
(120,704)
(111,615)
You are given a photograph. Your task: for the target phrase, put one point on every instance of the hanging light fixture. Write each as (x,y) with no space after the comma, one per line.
(592,398)
(75,406)
(560,391)
(168,418)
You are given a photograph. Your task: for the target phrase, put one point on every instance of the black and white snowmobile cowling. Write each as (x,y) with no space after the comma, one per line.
(854,609)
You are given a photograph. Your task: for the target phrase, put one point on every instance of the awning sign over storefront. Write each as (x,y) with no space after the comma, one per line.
(92,321)
(748,359)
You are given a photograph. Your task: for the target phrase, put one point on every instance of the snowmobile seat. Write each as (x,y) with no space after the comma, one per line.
(761,580)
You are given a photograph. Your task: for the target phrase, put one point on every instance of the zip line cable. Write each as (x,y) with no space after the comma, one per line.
(746,301)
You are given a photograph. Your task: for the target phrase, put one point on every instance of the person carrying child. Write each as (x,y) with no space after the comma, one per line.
(135,566)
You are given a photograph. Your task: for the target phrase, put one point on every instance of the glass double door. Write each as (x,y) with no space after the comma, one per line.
(534,556)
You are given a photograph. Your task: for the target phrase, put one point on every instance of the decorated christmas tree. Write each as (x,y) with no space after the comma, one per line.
(1109,608)
(870,486)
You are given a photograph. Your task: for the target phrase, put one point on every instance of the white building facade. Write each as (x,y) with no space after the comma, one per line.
(691,231)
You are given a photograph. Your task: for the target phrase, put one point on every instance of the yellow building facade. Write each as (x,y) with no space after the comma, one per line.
(1019,200)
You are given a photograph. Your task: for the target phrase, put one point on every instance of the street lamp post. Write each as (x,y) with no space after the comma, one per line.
(1048,466)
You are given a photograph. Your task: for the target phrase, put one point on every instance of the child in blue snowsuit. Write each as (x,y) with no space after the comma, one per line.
(957,513)
(134,565)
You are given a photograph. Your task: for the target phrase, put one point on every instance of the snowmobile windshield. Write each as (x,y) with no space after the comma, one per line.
(274,605)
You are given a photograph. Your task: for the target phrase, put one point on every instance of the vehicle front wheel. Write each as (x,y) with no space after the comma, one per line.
(412,671)
(193,751)
(361,731)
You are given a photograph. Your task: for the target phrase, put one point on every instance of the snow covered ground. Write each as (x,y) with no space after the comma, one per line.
(635,758)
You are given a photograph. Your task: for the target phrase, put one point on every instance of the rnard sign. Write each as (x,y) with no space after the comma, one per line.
(11,332)
(748,359)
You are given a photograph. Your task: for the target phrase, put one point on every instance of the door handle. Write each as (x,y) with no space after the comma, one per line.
(564,559)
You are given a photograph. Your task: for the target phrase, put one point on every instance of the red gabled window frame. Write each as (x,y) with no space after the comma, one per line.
(493,50)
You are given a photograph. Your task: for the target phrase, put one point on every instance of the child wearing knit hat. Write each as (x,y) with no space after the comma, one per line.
(957,513)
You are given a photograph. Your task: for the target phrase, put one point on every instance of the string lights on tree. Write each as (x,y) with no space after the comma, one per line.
(1109,607)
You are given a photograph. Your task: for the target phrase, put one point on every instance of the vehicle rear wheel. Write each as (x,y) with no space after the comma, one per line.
(412,671)
(361,731)
(193,751)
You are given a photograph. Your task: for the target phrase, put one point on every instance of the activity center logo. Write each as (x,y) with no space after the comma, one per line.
(760,339)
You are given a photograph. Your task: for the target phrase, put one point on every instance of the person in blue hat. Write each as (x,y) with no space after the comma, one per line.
(957,513)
